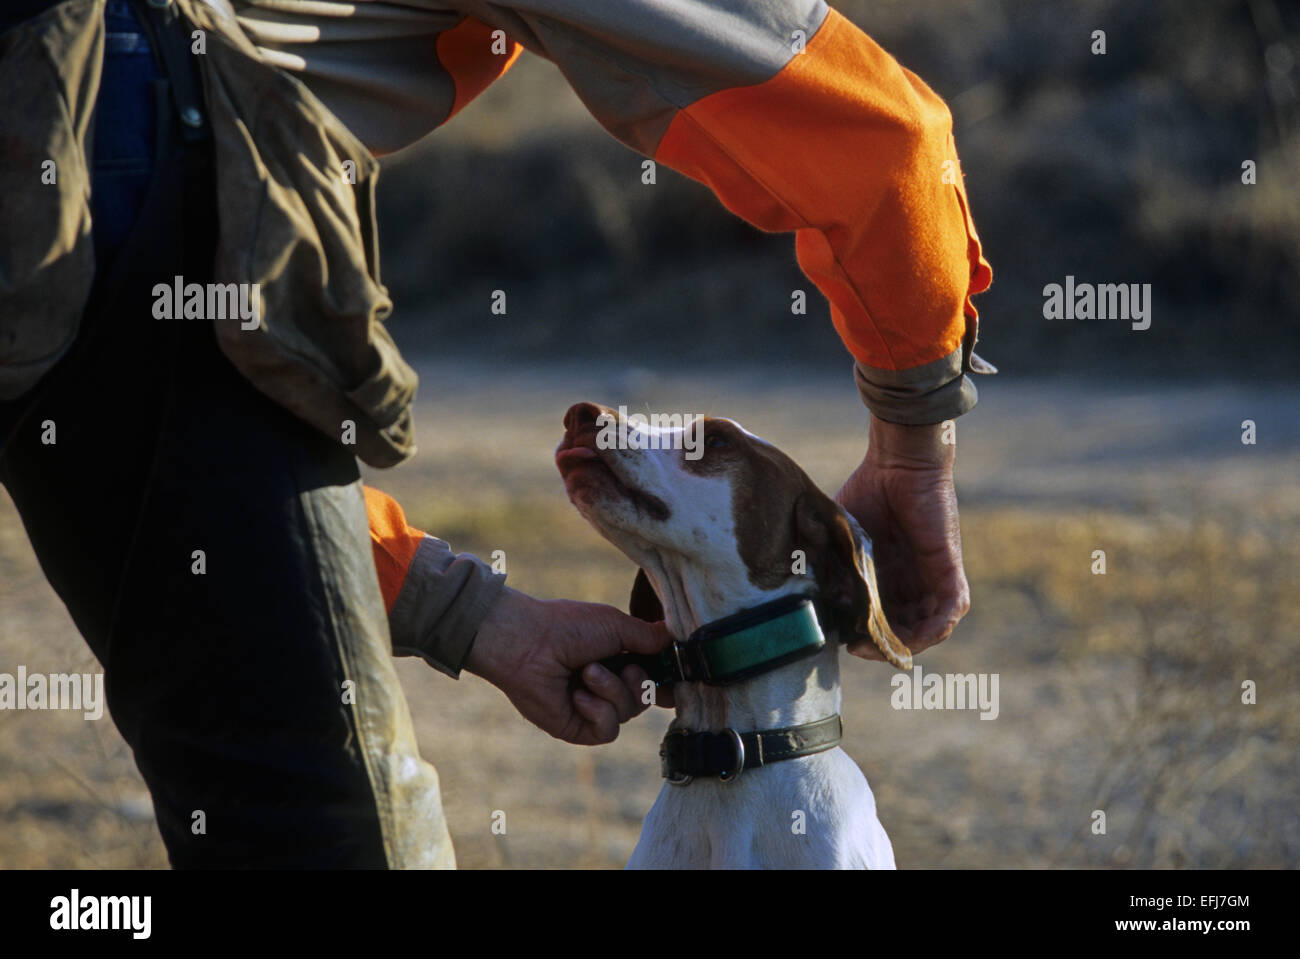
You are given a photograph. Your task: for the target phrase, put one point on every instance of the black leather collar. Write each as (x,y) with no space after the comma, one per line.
(684,754)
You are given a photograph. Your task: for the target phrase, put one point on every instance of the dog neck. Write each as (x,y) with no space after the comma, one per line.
(799,692)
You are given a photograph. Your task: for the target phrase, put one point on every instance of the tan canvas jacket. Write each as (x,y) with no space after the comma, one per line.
(49,72)
(296,194)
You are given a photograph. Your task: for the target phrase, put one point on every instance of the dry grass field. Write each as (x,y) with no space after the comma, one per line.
(1120,692)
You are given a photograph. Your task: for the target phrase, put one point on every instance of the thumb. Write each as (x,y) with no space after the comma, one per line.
(596,631)
(646,637)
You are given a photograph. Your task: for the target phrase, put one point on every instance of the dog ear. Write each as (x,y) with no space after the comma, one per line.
(841,559)
(644,603)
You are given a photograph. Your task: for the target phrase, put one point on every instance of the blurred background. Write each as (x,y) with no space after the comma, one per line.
(1120,692)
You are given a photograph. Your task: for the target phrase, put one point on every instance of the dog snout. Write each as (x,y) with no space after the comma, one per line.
(582,418)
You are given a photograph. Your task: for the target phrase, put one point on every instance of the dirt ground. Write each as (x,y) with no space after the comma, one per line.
(1120,692)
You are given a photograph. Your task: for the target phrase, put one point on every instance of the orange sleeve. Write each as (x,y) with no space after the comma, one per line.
(393,542)
(464,52)
(855,154)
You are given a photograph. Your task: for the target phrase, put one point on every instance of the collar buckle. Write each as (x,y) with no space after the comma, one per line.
(738,745)
(677,658)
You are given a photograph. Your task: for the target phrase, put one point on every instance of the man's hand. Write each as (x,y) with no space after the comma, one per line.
(903,496)
(531,650)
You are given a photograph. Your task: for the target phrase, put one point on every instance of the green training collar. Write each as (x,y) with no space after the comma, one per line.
(736,647)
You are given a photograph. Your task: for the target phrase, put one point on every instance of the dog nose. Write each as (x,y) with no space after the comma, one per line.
(581,417)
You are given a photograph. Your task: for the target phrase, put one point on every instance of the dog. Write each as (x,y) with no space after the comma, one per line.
(759,576)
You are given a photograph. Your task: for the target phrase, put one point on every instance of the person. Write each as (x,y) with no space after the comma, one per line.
(191,488)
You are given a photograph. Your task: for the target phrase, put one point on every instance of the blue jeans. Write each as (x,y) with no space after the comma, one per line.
(125,130)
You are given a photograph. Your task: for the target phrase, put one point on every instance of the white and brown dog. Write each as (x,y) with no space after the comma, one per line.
(756,778)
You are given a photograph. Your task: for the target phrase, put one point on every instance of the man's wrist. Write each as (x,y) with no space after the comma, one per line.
(909,447)
(512,614)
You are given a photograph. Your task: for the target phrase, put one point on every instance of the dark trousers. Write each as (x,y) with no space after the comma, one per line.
(211,547)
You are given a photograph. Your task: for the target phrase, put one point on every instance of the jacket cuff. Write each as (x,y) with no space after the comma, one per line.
(443,600)
(923,395)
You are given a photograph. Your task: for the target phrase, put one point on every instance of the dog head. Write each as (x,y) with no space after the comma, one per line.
(719,520)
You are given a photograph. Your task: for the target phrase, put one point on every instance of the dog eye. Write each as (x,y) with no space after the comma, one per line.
(716,441)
